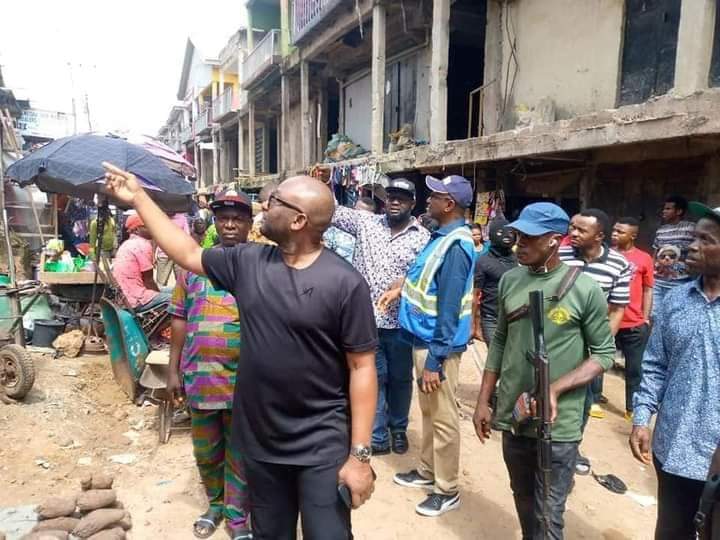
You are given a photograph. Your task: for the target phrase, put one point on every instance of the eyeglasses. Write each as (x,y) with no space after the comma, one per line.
(274,200)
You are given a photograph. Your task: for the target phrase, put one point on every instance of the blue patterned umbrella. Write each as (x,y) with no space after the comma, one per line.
(73,166)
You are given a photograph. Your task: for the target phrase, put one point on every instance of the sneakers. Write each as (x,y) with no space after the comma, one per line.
(596,411)
(412,479)
(437,504)
(399,442)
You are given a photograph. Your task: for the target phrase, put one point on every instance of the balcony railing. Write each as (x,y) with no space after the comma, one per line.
(225,104)
(308,13)
(203,121)
(262,59)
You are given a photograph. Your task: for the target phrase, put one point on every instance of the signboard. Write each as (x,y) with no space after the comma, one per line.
(45,124)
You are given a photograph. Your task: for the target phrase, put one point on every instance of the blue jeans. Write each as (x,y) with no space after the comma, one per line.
(393,361)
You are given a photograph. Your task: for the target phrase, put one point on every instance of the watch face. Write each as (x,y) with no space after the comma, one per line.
(362,452)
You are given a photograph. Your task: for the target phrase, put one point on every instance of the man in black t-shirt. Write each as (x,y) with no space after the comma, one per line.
(306,386)
(489,268)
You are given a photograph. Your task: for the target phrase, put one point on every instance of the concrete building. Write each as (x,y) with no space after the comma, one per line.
(608,103)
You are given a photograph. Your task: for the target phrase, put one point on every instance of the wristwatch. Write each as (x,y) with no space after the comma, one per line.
(361,452)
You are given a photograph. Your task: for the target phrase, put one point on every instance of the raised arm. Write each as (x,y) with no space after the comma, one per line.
(179,246)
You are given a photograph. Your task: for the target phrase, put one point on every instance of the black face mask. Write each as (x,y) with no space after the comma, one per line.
(503,239)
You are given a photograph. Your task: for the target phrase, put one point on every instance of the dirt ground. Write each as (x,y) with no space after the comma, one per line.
(76,418)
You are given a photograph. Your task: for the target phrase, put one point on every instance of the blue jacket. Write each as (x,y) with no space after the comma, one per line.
(436,302)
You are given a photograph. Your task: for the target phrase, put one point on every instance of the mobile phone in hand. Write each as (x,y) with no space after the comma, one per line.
(344,491)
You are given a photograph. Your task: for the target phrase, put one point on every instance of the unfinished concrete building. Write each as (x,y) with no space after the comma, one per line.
(607,103)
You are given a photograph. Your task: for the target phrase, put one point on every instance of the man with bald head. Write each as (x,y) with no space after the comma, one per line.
(306,384)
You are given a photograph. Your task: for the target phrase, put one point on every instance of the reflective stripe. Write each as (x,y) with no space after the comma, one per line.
(428,303)
(435,258)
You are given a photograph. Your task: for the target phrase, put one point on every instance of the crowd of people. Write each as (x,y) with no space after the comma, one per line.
(299,357)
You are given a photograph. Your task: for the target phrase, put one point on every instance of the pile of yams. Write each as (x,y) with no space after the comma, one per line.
(93,514)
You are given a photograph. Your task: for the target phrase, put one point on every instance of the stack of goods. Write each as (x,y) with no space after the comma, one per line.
(95,514)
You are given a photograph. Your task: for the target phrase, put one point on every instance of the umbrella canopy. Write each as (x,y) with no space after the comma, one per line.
(169,156)
(73,166)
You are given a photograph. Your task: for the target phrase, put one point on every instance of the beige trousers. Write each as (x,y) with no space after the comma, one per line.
(440,452)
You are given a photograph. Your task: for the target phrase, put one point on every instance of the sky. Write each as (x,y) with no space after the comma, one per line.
(126,56)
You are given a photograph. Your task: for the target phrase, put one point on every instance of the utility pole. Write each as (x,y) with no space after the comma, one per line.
(74,105)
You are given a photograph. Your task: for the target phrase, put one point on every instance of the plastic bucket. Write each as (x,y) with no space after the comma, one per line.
(46,331)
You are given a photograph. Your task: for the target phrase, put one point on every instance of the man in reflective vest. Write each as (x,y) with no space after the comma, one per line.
(435,313)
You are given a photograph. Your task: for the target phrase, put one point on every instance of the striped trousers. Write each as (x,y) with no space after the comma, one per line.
(221,466)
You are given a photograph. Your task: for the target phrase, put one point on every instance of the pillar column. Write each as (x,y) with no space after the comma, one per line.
(242,166)
(377,129)
(284,161)
(251,139)
(695,45)
(225,175)
(439,70)
(306,131)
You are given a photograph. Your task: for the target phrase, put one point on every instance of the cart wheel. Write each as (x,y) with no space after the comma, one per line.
(165,411)
(17,371)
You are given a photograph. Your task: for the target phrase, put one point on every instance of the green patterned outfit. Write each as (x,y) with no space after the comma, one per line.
(208,368)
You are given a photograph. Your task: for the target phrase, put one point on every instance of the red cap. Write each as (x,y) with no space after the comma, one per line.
(134,222)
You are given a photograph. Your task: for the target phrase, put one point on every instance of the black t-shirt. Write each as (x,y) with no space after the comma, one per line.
(291,403)
(489,268)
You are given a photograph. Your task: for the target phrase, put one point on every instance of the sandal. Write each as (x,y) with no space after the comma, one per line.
(206,525)
(582,465)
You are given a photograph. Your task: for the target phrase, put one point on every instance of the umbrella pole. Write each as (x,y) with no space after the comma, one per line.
(102,215)
(15,308)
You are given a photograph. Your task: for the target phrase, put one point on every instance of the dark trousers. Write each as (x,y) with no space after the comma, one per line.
(489,325)
(678,500)
(394,364)
(279,492)
(632,342)
(520,455)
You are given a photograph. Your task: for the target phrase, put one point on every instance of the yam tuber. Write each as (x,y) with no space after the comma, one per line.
(57,524)
(56,507)
(96,498)
(116,533)
(126,522)
(98,520)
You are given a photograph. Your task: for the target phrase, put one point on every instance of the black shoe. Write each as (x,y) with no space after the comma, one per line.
(380,450)
(437,504)
(399,442)
(412,479)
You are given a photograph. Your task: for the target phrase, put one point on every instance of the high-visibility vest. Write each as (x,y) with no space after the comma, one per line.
(418,303)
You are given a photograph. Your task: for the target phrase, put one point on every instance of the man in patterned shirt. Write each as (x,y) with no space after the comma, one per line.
(386,246)
(681,384)
(204,353)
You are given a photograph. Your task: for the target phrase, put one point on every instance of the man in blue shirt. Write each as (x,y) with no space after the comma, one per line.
(435,313)
(681,384)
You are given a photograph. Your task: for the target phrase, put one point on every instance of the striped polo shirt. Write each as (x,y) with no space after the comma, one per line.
(610,270)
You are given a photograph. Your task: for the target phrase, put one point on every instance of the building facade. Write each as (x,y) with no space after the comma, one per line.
(608,103)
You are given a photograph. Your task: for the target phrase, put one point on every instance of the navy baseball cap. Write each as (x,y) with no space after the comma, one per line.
(401,184)
(458,187)
(541,218)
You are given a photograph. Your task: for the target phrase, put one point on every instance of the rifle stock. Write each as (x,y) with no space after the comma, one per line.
(541,394)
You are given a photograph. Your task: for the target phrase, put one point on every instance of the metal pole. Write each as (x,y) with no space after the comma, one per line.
(15,308)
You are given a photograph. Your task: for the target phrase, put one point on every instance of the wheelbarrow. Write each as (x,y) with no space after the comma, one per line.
(154,378)
(140,371)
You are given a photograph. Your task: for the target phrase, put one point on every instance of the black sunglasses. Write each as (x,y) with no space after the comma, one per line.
(274,200)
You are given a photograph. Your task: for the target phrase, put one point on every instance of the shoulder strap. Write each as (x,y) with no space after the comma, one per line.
(567,283)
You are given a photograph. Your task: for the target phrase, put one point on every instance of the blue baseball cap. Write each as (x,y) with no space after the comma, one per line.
(541,218)
(456,186)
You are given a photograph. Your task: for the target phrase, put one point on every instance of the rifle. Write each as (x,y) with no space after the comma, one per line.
(707,518)
(541,393)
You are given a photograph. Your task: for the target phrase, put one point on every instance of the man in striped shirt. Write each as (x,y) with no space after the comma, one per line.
(670,247)
(588,250)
